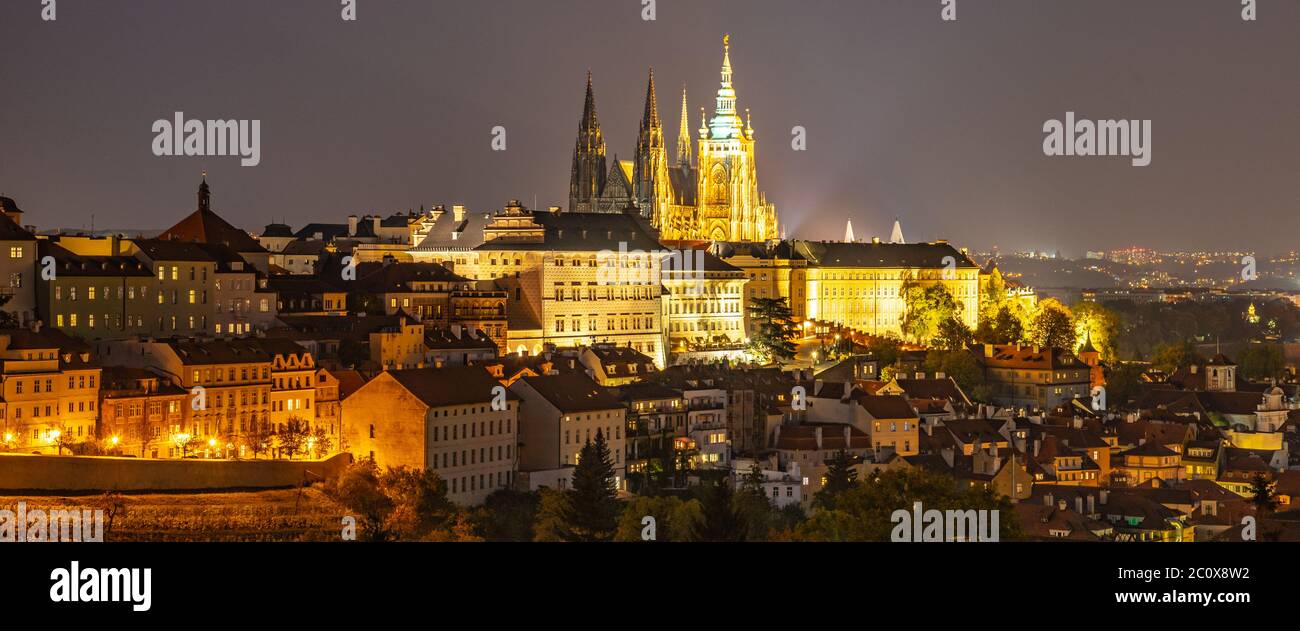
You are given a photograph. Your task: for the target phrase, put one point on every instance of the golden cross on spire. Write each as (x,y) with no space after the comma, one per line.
(726,40)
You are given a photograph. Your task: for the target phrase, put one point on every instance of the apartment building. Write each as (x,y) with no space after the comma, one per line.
(440,419)
(50,387)
(561,413)
(573,279)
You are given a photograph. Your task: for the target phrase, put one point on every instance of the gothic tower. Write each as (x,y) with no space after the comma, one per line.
(650,171)
(731,208)
(587,178)
(684,136)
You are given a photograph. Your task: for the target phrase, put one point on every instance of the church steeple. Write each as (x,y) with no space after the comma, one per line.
(725,123)
(650,172)
(205,194)
(587,179)
(684,136)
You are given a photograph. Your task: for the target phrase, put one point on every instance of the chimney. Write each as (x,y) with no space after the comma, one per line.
(374,223)
(352,225)
(1102,495)
(458,213)
(1078,505)
(776,435)
(1092,504)
(1047,500)
(1060,504)
(848,444)
(818,433)
(1038,444)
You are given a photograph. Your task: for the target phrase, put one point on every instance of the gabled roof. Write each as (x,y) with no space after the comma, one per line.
(573,392)
(886,406)
(205,226)
(449,385)
(1028,357)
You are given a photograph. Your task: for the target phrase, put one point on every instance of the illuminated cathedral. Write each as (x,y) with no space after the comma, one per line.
(710,194)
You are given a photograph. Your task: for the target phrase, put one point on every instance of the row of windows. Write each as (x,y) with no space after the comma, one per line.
(465,484)
(51,410)
(467,457)
(74,382)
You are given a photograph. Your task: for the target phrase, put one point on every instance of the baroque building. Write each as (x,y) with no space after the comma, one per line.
(715,199)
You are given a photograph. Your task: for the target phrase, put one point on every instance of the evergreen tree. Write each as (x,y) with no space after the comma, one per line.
(840,476)
(592,513)
(1261,495)
(773,339)
(720,520)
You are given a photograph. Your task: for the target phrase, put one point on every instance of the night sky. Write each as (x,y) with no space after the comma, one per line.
(939,124)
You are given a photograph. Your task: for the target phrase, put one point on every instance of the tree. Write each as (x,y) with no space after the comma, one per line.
(719,518)
(864,512)
(753,506)
(1261,495)
(553,508)
(592,514)
(400,503)
(1171,357)
(1053,326)
(1004,326)
(673,518)
(925,308)
(291,437)
(961,366)
(508,515)
(886,348)
(319,442)
(113,505)
(64,439)
(1262,362)
(776,329)
(420,504)
(259,437)
(840,477)
(953,335)
(1100,325)
(358,490)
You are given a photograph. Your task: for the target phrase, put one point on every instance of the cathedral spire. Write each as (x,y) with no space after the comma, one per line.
(650,171)
(725,123)
(848,232)
(684,136)
(897,235)
(587,178)
(650,118)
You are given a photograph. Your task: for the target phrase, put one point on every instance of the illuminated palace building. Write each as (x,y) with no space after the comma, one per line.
(714,199)
(858,284)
